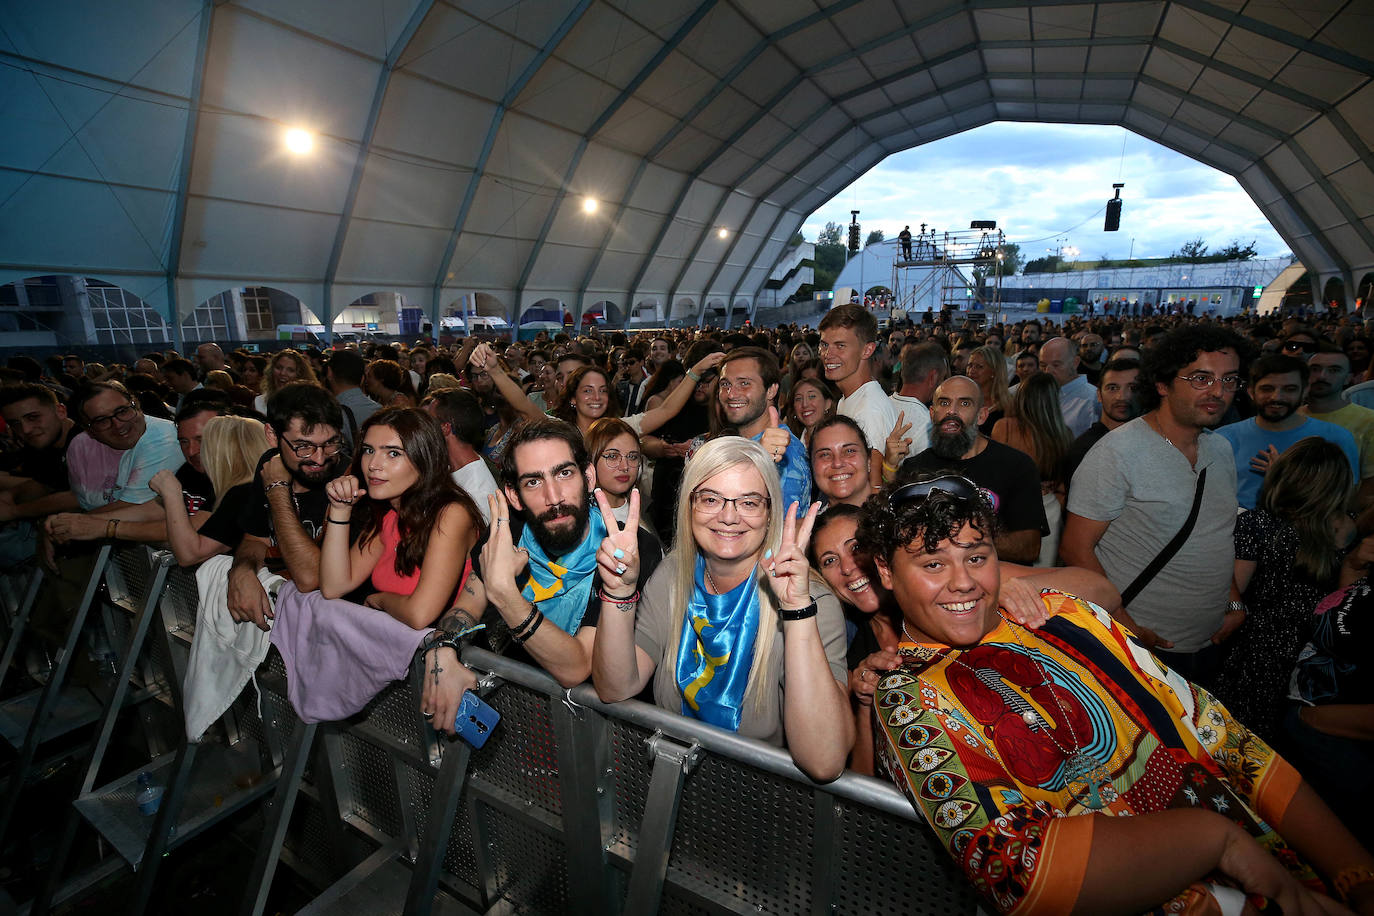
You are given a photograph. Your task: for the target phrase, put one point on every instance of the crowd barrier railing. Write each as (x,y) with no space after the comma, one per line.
(202,783)
(572,805)
(576,806)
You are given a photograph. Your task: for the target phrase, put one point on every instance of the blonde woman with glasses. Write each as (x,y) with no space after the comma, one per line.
(732,628)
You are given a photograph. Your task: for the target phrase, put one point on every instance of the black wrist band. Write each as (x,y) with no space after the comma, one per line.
(335,521)
(522,638)
(803,614)
(534,609)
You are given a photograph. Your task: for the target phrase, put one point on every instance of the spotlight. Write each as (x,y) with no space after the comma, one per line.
(723,232)
(299,141)
(589,204)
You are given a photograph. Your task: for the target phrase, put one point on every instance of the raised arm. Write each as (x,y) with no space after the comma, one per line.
(344,567)
(816,714)
(655,417)
(567,658)
(620,668)
(484,358)
(188,545)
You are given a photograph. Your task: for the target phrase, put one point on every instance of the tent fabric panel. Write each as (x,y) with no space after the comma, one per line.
(406,125)
(233,239)
(255,67)
(367,26)
(390,253)
(465,54)
(81,226)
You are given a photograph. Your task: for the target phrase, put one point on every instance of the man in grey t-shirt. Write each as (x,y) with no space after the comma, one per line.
(1134,491)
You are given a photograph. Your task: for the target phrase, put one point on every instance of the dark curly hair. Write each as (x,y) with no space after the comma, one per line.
(931,519)
(1180,347)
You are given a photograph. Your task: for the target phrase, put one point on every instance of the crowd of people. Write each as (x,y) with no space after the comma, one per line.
(1029,572)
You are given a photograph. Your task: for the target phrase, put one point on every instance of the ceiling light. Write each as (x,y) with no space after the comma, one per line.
(723,232)
(589,204)
(299,141)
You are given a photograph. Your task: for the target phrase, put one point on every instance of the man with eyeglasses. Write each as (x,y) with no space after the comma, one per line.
(1277,386)
(1328,372)
(277,519)
(1153,479)
(540,559)
(134,522)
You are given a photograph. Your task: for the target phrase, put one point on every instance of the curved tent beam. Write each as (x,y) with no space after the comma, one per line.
(480,168)
(575,160)
(417,17)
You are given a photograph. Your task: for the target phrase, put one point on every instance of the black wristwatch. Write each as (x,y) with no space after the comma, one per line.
(803,614)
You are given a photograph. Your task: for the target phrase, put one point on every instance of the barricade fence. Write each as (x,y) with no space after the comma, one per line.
(572,805)
(576,806)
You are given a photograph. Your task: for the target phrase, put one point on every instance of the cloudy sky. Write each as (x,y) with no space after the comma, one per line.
(1044,182)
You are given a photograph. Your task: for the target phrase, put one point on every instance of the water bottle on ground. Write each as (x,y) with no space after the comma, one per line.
(149,796)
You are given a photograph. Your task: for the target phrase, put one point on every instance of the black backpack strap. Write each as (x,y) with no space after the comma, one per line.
(352,422)
(1171,548)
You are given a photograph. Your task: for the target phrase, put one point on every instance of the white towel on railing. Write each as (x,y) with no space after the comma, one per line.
(224,654)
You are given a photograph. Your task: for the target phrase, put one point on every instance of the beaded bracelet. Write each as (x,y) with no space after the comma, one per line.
(1351,878)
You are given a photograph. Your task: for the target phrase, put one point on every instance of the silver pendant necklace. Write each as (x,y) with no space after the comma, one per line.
(1085,776)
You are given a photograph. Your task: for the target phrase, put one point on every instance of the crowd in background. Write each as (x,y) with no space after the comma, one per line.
(687,516)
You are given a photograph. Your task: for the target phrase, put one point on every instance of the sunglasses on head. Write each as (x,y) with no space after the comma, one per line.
(949,484)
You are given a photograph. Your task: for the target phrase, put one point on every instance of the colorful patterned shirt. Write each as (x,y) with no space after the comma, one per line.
(981,740)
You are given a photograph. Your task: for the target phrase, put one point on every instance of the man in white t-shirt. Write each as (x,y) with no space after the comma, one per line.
(923,367)
(460,416)
(849,335)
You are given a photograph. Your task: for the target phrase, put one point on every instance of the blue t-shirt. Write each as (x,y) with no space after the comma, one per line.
(156,449)
(795,470)
(1247,440)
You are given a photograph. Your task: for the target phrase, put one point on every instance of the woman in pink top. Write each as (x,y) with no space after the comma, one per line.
(399,518)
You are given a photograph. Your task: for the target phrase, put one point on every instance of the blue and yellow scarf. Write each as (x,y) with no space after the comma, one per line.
(563,587)
(717,650)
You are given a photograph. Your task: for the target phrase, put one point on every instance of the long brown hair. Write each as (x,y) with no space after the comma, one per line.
(1037,409)
(565,409)
(1309,486)
(423,441)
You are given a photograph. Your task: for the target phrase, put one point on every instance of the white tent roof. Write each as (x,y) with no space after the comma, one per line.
(456,138)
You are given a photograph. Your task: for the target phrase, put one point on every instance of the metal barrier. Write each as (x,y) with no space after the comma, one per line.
(233,766)
(578,806)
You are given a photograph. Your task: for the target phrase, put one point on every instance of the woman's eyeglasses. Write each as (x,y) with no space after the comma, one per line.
(615,459)
(709,502)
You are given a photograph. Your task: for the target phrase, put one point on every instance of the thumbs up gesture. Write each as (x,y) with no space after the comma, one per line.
(776,436)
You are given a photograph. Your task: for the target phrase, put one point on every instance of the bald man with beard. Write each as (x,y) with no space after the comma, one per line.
(1010,475)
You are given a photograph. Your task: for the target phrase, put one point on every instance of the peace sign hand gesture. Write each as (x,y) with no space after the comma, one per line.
(502,561)
(898,442)
(789,569)
(618,555)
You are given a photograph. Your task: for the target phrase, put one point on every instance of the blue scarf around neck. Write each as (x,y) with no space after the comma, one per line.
(562,586)
(716,650)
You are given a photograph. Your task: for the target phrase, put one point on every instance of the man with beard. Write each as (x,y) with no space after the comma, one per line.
(1277,385)
(748,386)
(1118,392)
(1007,473)
(1153,506)
(1091,355)
(277,519)
(543,563)
(1328,374)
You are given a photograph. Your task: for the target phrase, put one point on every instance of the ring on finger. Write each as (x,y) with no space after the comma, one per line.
(620,568)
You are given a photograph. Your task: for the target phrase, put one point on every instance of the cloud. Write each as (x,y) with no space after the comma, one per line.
(1049,182)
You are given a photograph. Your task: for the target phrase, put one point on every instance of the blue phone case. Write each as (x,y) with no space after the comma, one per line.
(476,719)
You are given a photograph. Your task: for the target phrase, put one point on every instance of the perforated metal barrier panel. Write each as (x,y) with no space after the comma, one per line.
(752,834)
